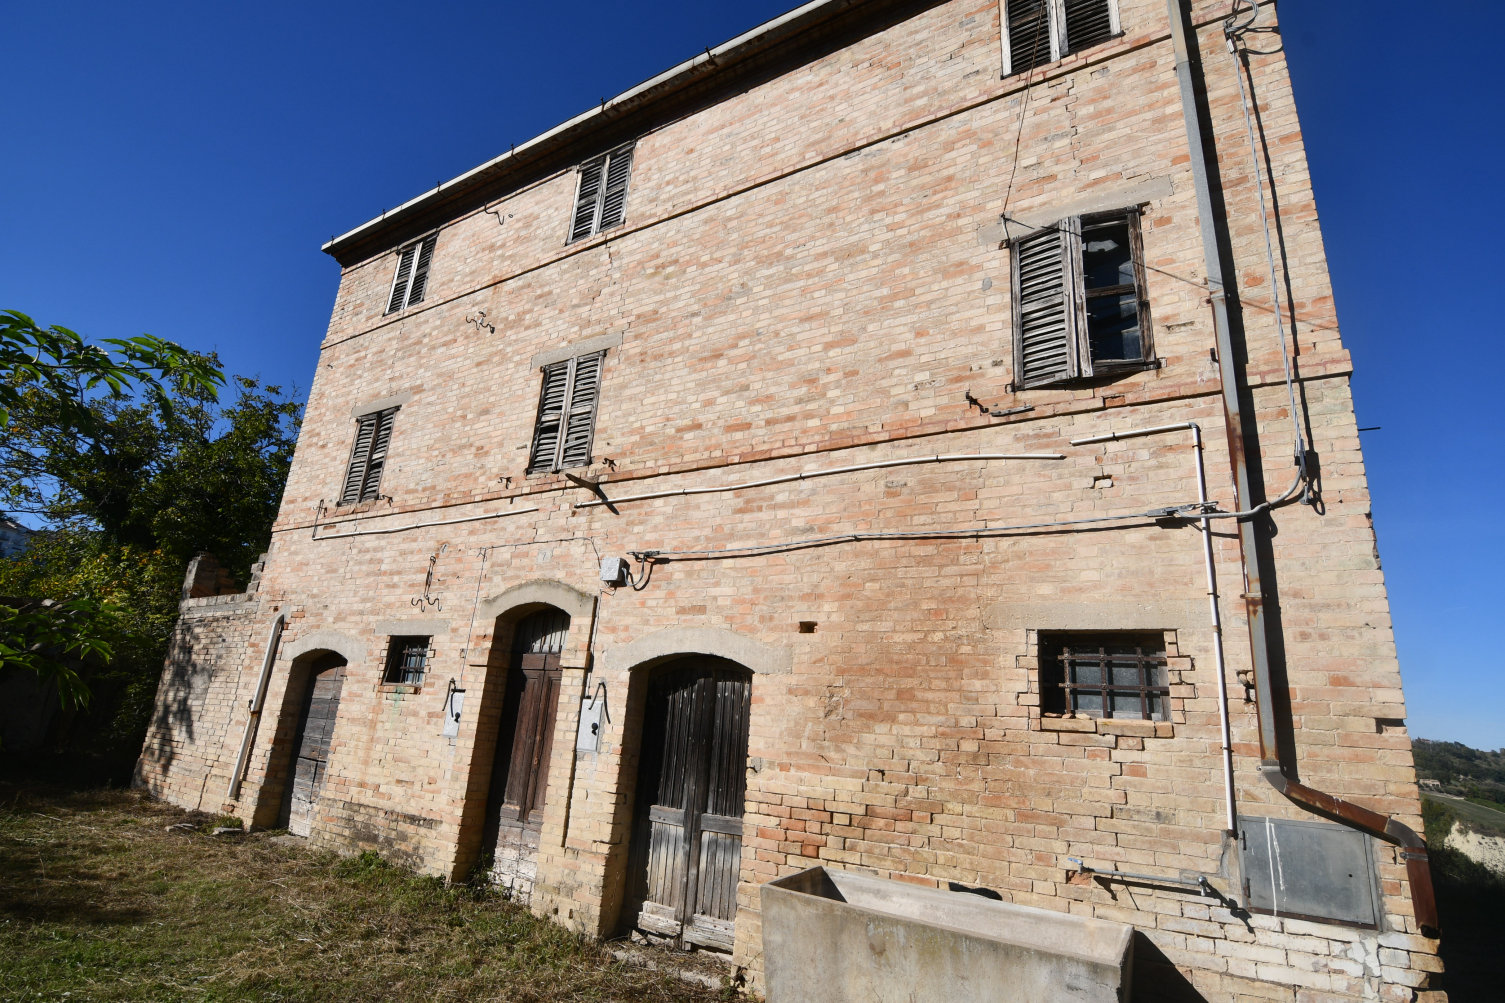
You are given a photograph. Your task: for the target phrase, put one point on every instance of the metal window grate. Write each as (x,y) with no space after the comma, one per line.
(407,659)
(1107,676)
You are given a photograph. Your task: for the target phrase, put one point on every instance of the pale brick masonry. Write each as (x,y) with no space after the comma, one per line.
(812,273)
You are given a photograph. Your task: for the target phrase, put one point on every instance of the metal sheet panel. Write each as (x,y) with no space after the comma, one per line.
(1309,869)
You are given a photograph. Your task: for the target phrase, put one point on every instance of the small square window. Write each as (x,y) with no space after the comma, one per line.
(1103,675)
(1036,32)
(407,660)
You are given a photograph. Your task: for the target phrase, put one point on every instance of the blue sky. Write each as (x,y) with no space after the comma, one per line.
(173,168)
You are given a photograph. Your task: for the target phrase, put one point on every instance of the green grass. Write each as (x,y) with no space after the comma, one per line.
(98,901)
(1481,816)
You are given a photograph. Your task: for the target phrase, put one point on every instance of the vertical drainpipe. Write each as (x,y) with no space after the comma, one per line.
(1272,767)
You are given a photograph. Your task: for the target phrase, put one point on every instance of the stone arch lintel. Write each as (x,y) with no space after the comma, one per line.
(576,603)
(325,639)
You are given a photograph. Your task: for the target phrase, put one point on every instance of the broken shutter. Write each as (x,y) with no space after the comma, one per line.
(567,413)
(368,456)
(421,270)
(1088,22)
(400,281)
(1045,314)
(601,198)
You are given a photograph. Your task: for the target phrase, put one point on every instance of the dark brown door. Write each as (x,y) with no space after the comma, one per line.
(520,775)
(688,843)
(321,704)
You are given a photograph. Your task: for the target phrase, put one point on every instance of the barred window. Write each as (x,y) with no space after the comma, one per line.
(1112,675)
(1036,32)
(407,659)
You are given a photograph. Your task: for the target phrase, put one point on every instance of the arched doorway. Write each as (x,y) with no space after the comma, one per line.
(692,781)
(308,767)
(524,739)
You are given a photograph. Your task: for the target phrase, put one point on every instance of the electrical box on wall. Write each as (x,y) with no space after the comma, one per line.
(1309,870)
(614,570)
(588,739)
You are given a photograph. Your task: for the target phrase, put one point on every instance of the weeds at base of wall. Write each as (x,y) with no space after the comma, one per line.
(100,899)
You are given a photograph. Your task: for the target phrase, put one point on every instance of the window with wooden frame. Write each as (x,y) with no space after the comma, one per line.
(601,196)
(1036,32)
(412,277)
(1105,675)
(566,413)
(407,659)
(1080,306)
(373,433)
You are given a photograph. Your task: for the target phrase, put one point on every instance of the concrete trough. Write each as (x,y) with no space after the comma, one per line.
(834,936)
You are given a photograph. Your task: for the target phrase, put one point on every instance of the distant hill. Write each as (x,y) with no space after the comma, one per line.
(1459,768)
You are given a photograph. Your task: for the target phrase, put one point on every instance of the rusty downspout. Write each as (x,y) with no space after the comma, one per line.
(1272,765)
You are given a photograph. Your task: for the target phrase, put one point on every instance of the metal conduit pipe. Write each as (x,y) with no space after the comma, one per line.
(805,474)
(274,639)
(1229,806)
(1272,766)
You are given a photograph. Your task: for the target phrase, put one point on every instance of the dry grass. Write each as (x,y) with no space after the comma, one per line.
(98,901)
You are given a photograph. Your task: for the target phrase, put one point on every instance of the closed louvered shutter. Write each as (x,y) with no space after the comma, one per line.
(1029,34)
(551,403)
(580,424)
(355,473)
(587,199)
(421,271)
(1045,310)
(1088,22)
(614,201)
(404,274)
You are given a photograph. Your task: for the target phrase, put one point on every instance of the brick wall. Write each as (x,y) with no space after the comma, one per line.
(811,276)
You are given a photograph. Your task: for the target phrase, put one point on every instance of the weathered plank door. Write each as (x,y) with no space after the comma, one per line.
(321,704)
(690,810)
(520,777)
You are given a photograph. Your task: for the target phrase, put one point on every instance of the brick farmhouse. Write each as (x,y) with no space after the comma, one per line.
(799,459)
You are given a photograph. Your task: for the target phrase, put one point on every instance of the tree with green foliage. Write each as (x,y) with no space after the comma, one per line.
(127,455)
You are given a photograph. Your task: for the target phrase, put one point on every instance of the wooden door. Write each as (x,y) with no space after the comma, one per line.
(520,774)
(321,704)
(691,792)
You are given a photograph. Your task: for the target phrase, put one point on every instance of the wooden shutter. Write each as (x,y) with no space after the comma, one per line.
(580,423)
(1088,22)
(1029,26)
(400,282)
(567,413)
(614,198)
(378,458)
(551,405)
(1045,307)
(421,271)
(587,199)
(537,647)
(355,473)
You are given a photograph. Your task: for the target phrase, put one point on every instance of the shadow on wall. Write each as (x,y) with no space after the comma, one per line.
(1156,977)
